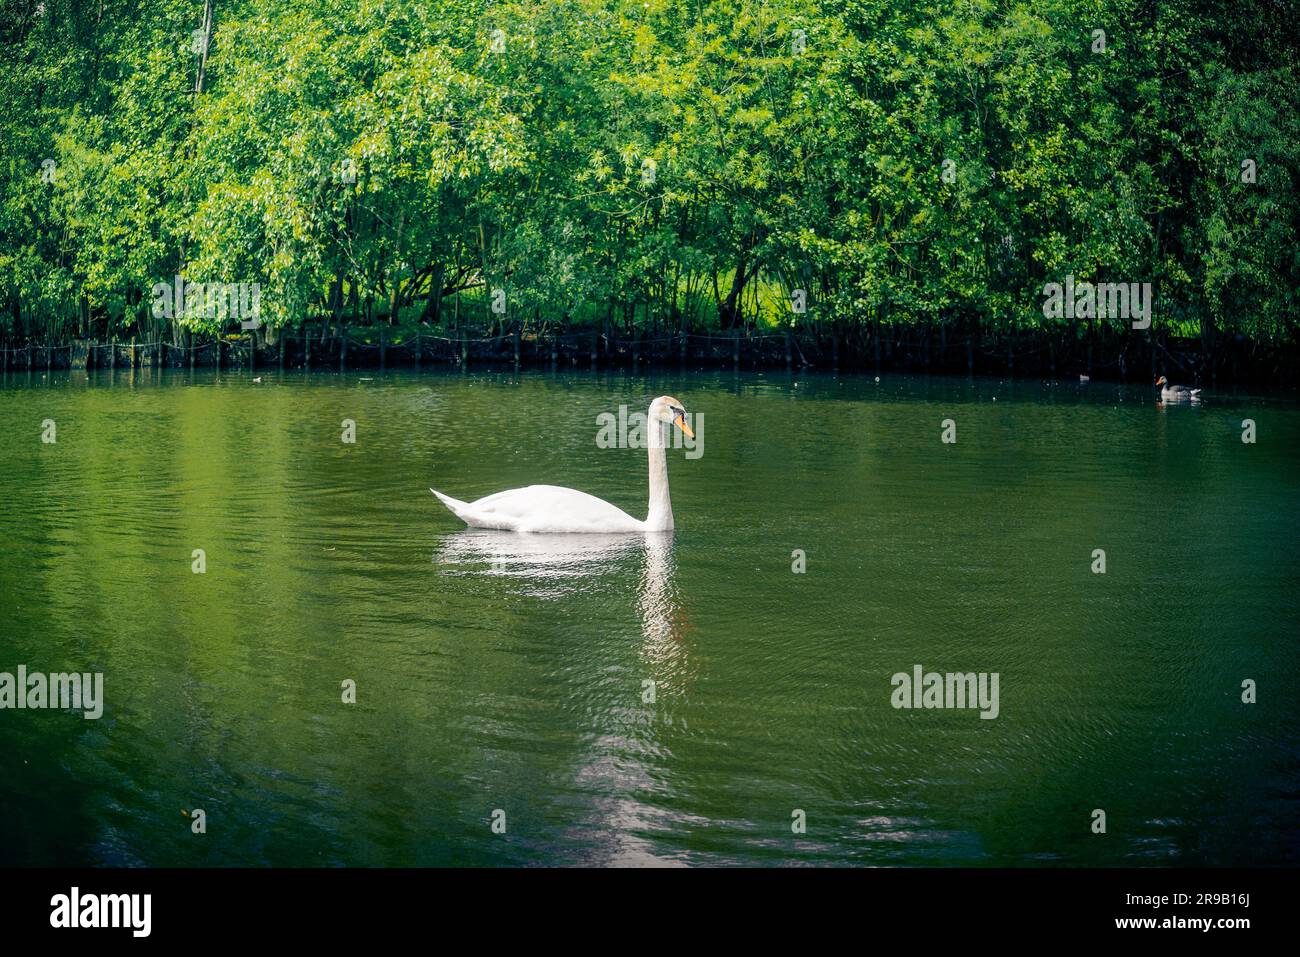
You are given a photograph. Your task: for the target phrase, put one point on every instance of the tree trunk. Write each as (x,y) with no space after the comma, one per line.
(433,305)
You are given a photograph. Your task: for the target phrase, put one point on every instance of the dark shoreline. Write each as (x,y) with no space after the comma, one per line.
(1119,357)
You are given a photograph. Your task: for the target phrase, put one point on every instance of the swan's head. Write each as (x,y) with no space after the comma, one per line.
(666,409)
(1161,381)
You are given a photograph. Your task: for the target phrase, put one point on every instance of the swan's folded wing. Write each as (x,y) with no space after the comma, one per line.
(548,508)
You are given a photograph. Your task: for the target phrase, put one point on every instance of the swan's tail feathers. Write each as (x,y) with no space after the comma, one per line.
(454,505)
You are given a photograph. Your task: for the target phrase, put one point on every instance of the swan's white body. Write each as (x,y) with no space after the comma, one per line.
(553,509)
(544,508)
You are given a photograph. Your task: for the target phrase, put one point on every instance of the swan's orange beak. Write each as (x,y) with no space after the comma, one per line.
(680,422)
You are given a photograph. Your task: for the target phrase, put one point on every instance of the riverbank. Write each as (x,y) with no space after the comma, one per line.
(1117,357)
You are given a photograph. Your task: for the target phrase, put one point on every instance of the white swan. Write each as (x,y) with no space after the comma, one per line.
(550,508)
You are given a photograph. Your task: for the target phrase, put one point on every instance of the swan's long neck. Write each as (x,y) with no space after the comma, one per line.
(660,516)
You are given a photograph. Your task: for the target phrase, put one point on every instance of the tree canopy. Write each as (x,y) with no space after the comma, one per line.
(663,163)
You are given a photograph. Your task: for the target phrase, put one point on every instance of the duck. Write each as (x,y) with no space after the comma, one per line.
(553,509)
(1173,393)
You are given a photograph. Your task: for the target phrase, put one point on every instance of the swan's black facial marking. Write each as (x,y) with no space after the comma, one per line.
(677,410)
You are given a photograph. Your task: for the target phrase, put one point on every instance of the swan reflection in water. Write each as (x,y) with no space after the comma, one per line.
(556,566)
(621,767)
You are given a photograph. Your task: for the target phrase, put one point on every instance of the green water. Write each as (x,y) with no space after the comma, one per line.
(496,671)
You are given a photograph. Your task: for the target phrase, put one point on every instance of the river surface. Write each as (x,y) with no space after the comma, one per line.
(723,694)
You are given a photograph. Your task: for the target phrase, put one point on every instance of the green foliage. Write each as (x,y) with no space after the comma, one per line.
(657,164)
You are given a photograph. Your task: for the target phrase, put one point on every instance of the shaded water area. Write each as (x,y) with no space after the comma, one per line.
(498,671)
